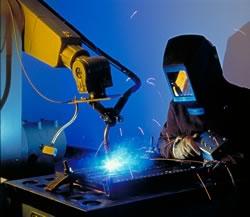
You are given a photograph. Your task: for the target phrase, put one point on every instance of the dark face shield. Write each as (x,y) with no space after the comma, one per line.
(203,84)
(179,82)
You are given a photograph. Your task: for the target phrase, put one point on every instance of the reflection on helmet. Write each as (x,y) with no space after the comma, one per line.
(179,83)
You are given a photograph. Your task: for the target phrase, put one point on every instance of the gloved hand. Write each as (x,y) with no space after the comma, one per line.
(185,148)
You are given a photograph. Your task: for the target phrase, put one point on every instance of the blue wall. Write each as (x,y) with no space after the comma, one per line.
(134,32)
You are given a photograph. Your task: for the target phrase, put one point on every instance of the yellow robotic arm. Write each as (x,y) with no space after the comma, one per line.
(54,41)
(51,39)
(47,38)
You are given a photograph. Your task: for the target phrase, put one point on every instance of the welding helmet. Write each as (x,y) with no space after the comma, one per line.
(193,72)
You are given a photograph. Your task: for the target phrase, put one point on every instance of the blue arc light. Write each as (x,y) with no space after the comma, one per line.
(114,164)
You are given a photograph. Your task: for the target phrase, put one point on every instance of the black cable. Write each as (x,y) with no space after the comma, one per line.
(97,50)
(122,101)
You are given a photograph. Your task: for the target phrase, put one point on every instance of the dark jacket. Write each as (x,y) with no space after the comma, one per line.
(229,119)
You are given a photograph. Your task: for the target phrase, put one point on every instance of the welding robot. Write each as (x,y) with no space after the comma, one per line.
(37,30)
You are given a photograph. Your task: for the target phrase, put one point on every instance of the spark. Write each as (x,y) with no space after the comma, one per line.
(99,148)
(131,173)
(204,186)
(151,81)
(134,13)
(157,122)
(238,30)
(120,131)
(141,130)
(160,95)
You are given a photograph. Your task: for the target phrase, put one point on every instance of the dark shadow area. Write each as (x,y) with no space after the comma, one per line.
(236,64)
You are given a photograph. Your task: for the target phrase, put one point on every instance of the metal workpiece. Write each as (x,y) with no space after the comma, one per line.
(30,194)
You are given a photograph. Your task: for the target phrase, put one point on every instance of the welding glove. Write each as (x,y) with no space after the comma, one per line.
(186,147)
